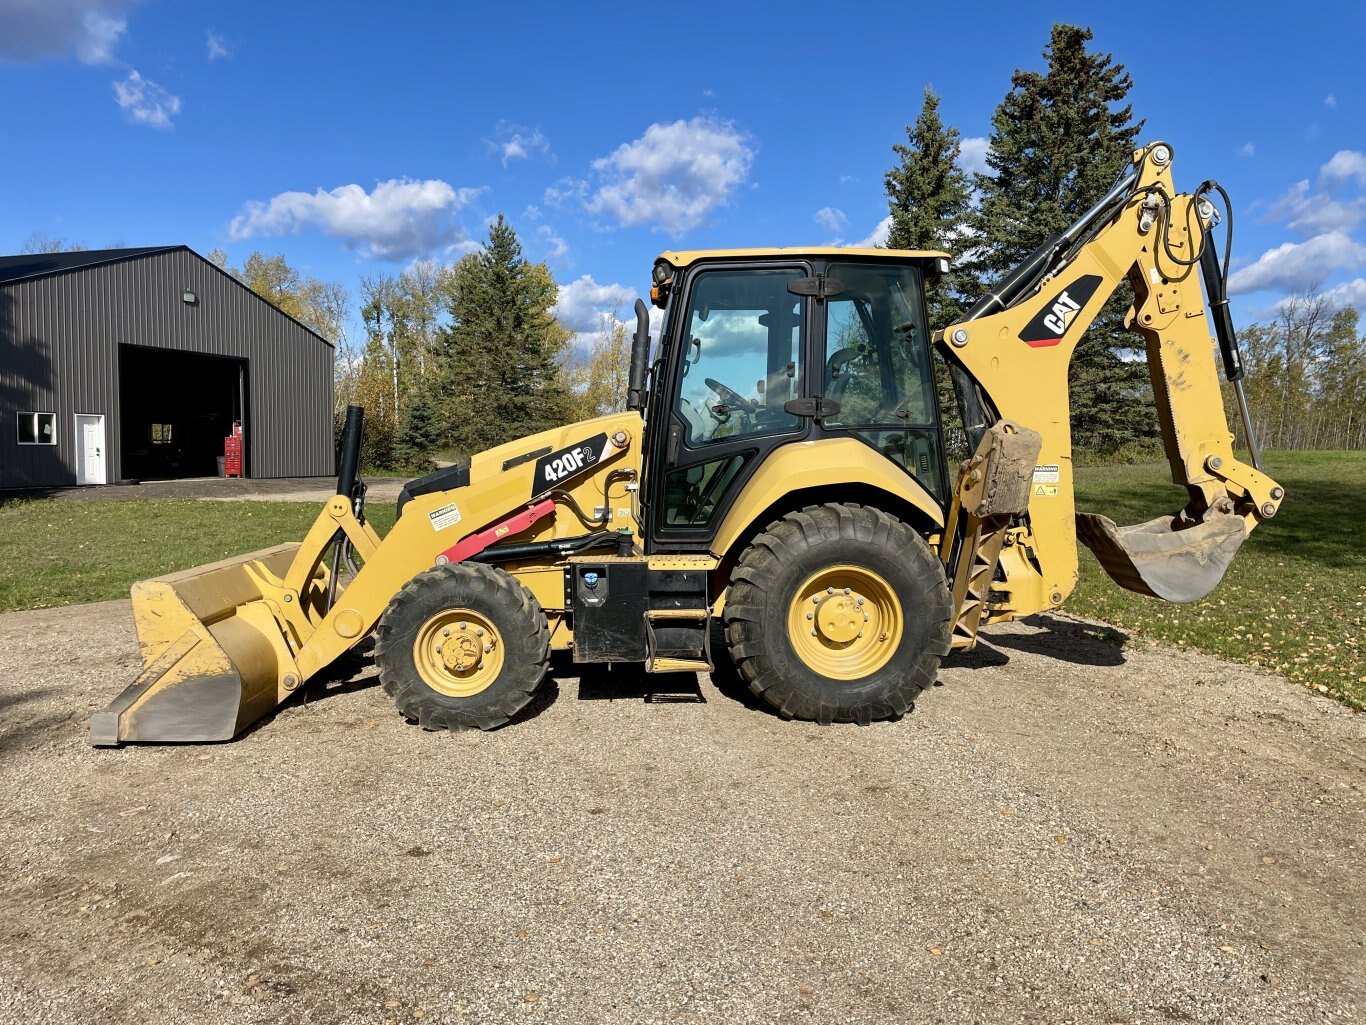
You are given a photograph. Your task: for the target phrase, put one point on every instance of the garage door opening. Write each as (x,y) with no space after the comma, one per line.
(175,409)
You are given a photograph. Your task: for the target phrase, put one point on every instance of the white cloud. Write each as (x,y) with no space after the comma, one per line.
(877,237)
(566,189)
(1248,150)
(217,47)
(517,142)
(145,102)
(846,179)
(972,154)
(1300,265)
(397,220)
(831,219)
(31,30)
(1346,165)
(582,302)
(1312,213)
(1330,101)
(1349,293)
(558,246)
(673,176)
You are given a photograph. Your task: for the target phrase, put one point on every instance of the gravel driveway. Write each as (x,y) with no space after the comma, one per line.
(1062,832)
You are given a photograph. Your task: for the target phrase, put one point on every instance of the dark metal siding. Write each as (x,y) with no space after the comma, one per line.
(59,352)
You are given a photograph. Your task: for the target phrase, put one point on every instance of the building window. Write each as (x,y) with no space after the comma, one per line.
(37,428)
(161,434)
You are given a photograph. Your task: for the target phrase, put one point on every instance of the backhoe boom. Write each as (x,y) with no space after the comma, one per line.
(1011,355)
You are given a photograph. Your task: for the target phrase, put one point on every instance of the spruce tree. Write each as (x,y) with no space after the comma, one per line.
(928,195)
(417,435)
(497,375)
(1059,141)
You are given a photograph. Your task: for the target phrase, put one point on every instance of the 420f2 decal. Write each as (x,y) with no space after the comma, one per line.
(556,469)
(1052,322)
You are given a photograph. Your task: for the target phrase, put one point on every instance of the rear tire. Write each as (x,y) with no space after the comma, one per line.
(815,651)
(461,646)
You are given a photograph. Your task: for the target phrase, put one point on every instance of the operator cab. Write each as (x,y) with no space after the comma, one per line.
(766,348)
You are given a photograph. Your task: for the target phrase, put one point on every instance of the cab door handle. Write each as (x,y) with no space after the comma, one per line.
(675,439)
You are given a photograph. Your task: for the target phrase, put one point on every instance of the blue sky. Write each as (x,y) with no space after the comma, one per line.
(356,138)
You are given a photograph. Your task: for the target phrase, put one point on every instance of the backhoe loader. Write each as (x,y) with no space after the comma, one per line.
(779,469)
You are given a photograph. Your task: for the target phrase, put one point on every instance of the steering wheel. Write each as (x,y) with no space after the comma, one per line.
(731,397)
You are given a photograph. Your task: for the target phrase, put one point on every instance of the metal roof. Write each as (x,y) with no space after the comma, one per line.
(41,265)
(38,265)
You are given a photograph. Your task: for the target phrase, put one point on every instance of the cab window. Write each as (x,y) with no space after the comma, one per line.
(742,356)
(877,366)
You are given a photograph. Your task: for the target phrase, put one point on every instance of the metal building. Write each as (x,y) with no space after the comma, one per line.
(136,363)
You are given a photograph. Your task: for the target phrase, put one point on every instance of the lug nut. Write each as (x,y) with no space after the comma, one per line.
(438,649)
(479,631)
(847,591)
(810,615)
(464,626)
(445,631)
(829,590)
(813,631)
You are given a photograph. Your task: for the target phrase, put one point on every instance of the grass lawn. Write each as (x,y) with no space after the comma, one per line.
(1293,601)
(62,553)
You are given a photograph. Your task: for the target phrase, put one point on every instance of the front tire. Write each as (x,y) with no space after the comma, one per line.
(462,646)
(838,613)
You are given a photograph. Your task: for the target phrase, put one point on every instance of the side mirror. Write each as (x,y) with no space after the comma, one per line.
(640,357)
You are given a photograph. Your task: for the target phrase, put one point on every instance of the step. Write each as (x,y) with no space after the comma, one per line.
(676,665)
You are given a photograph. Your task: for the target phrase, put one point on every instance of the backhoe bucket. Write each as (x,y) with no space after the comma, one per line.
(209,658)
(1170,557)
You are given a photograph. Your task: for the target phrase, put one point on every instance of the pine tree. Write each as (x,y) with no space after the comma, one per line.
(497,373)
(1059,141)
(928,195)
(417,436)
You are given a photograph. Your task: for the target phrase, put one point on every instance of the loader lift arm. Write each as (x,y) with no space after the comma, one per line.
(1011,549)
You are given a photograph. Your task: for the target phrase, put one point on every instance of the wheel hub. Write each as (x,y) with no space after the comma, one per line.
(840,617)
(845,622)
(458,652)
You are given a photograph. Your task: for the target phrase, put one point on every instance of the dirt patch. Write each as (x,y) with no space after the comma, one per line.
(1062,831)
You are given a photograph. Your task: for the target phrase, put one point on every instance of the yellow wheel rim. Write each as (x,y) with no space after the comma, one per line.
(845,622)
(458,653)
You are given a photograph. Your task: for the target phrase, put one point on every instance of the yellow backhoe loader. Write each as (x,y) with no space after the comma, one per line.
(780,468)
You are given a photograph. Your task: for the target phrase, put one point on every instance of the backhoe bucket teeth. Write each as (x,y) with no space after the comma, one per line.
(1164,558)
(210,664)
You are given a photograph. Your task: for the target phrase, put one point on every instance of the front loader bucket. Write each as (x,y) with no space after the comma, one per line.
(1169,557)
(209,662)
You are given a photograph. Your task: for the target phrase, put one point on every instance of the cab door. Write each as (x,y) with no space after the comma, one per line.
(737,357)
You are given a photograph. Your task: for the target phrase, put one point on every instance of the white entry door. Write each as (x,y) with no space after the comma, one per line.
(90,448)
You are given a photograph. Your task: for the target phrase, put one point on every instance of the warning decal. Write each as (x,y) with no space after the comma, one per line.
(1045,491)
(446,516)
(1046,474)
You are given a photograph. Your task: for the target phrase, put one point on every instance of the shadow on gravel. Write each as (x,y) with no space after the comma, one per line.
(1078,643)
(15,736)
(628,681)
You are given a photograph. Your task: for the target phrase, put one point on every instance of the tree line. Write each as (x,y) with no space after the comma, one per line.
(459,358)
(1059,140)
